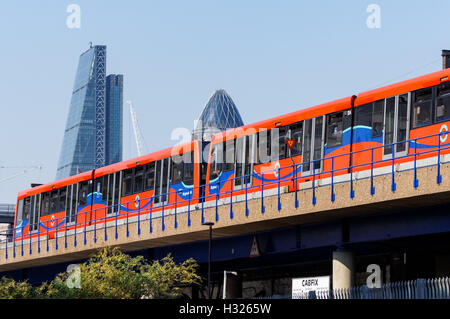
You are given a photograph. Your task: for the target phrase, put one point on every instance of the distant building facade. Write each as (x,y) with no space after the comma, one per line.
(93,134)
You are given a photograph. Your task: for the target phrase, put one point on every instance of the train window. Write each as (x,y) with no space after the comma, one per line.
(377,118)
(138,179)
(282,135)
(229,156)
(26,209)
(54,200)
(45,204)
(82,194)
(422,107)
(188,175)
(216,161)
(264,141)
(334,129)
(62,200)
(127,184)
(443,102)
(177,171)
(296,134)
(363,115)
(149,179)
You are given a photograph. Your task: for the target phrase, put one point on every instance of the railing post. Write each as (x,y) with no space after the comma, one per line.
(128,207)
(439,176)
(30,239)
(106,215)
(217,203)
(263,209)
(65,233)
(139,216)
(47,236)
(14,242)
(314,200)
(85,221)
(23,228)
(295,185)
(231,198)
(372,188)
(352,191)
(189,207)
(75,231)
(163,226)
(279,180)
(246,200)
(394,185)
(416,181)
(56,235)
(150,226)
(95,225)
(176,200)
(333,197)
(38,237)
(117,212)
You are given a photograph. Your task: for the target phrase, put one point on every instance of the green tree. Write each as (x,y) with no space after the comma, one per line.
(113,274)
(10,289)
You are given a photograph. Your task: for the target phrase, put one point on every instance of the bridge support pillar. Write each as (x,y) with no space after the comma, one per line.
(343,269)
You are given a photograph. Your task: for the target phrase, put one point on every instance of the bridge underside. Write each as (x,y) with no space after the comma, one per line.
(405,198)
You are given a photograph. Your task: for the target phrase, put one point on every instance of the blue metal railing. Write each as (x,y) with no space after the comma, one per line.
(112,219)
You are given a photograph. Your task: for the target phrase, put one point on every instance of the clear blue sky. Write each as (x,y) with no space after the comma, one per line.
(272,57)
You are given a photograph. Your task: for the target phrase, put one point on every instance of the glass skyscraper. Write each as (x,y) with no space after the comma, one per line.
(114,118)
(93,121)
(219,114)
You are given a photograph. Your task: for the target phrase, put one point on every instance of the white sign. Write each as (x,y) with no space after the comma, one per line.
(302,286)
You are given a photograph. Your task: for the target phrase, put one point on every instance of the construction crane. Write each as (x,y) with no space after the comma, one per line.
(136,129)
(25,169)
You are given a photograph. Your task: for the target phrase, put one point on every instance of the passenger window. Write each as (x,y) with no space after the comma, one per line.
(149,180)
(264,146)
(216,161)
(443,102)
(177,171)
(282,142)
(296,134)
(62,200)
(54,200)
(377,118)
(127,184)
(82,194)
(334,132)
(138,179)
(26,209)
(188,175)
(422,107)
(45,210)
(363,115)
(229,155)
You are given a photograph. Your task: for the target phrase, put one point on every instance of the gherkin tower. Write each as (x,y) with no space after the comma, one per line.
(219,114)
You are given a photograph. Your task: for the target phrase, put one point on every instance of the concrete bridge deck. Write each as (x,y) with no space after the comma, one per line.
(428,192)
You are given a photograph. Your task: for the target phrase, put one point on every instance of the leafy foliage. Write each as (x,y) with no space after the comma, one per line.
(114,275)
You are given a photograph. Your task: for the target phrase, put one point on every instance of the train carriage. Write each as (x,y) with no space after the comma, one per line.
(167,178)
(395,124)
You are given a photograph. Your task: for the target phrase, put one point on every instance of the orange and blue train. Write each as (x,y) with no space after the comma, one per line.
(395,124)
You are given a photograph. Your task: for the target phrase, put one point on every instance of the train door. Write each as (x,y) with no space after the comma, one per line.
(35,213)
(162,181)
(396,124)
(245,149)
(71,203)
(313,136)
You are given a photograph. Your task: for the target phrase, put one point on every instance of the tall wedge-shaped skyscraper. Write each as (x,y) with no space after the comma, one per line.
(94,118)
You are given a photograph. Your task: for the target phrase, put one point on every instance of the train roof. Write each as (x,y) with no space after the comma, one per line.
(417,83)
(141,160)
